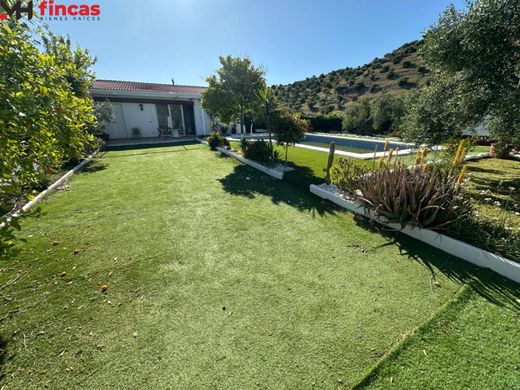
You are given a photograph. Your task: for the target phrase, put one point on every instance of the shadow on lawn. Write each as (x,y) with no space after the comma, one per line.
(93,167)
(3,356)
(488,284)
(246,181)
(153,148)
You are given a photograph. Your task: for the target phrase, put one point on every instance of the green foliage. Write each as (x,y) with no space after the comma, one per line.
(267,108)
(289,128)
(324,122)
(215,140)
(357,117)
(427,196)
(233,89)
(43,109)
(104,114)
(387,112)
(431,117)
(75,62)
(259,151)
(474,56)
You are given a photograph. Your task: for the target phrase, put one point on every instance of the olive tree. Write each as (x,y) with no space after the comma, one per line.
(474,55)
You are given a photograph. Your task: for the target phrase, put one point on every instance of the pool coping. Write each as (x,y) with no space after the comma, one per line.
(360,156)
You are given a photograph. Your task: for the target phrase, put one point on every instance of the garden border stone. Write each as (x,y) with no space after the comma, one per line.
(271,172)
(52,187)
(450,245)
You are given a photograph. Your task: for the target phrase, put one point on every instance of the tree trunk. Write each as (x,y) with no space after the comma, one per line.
(242,128)
(286,151)
(268,125)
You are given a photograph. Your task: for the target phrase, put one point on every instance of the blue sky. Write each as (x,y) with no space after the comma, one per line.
(157,40)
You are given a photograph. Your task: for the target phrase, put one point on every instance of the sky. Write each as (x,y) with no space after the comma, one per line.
(157,40)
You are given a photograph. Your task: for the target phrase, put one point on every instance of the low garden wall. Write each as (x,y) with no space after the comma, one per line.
(271,172)
(53,187)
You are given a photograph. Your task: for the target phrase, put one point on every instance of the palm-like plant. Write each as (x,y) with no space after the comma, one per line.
(268,108)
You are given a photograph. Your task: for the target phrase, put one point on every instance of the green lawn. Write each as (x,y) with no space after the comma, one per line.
(471,344)
(494,180)
(220,277)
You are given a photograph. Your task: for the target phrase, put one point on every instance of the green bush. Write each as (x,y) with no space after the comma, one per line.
(324,123)
(259,151)
(215,140)
(45,110)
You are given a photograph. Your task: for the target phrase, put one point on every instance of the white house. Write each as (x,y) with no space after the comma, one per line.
(150,110)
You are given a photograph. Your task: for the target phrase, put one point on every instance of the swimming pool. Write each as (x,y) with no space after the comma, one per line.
(351,144)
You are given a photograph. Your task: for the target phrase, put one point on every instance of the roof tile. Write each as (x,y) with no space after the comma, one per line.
(147,87)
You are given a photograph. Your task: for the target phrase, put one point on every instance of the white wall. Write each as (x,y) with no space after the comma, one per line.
(202,121)
(146,120)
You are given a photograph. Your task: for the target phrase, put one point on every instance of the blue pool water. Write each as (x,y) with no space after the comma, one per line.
(357,145)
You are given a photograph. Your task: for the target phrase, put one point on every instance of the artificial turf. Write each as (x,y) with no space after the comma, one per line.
(217,277)
(471,344)
(494,185)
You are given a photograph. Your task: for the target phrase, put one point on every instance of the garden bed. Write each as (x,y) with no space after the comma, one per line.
(467,252)
(277,171)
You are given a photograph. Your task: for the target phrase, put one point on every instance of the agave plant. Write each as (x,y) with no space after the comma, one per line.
(425,195)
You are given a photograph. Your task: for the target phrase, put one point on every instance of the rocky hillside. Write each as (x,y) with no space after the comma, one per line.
(395,73)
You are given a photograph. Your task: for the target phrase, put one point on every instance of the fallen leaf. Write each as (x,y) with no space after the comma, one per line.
(104,288)
(76,251)
(54,243)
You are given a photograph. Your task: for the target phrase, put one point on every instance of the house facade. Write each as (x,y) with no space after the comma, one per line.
(150,110)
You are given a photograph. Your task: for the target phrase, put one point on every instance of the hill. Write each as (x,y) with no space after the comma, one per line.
(395,72)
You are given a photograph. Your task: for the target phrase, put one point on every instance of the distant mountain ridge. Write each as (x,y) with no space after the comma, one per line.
(395,73)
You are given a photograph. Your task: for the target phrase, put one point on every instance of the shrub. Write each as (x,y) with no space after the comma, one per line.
(325,123)
(215,140)
(259,151)
(374,88)
(45,110)
(422,69)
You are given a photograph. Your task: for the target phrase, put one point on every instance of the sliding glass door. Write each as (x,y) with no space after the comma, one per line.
(178,117)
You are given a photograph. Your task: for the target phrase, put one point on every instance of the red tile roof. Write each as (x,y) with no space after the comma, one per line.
(146,87)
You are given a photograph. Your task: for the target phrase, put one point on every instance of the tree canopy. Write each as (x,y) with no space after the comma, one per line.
(474,55)
(44,113)
(232,91)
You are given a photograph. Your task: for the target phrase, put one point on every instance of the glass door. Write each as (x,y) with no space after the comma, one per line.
(189,119)
(177,119)
(163,117)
